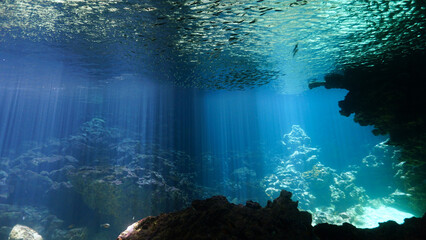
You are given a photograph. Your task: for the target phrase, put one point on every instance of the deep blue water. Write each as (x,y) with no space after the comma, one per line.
(110,112)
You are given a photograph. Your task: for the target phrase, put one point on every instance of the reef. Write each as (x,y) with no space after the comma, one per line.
(390,96)
(216,218)
(110,178)
(337,197)
(94,171)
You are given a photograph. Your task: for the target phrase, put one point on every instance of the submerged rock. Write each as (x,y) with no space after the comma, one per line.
(20,232)
(216,218)
(105,189)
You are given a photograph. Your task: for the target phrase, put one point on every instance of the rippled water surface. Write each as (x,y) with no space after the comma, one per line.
(216,44)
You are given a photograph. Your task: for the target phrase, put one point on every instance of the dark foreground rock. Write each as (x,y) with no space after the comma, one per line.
(216,218)
(389,95)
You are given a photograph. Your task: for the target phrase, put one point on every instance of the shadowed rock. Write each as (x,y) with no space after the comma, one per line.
(216,218)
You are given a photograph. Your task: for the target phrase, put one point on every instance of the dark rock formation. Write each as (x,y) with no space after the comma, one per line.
(390,96)
(216,218)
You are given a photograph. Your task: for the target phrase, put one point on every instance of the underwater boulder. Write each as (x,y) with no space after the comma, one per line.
(146,192)
(20,232)
(216,218)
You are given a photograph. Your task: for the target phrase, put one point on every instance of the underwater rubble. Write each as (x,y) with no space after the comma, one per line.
(216,218)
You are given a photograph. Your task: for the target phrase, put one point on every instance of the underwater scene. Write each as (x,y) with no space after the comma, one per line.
(115,110)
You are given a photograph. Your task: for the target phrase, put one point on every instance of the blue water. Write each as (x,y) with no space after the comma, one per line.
(110,112)
(221,131)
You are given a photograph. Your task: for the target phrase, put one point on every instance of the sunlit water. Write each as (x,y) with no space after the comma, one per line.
(188,99)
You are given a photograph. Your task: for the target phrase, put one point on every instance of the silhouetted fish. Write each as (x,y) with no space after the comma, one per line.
(105,225)
(295,49)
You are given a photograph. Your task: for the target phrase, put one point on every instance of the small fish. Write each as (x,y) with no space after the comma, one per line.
(295,49)
(105,225)
(71,226)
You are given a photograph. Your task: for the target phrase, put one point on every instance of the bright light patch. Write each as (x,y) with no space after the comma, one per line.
(373,216)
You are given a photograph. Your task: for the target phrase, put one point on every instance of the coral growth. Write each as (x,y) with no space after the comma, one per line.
(337,197)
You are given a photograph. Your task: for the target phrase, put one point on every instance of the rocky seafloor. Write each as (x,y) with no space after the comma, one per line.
(91,185)
(216,218)
(96,182)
